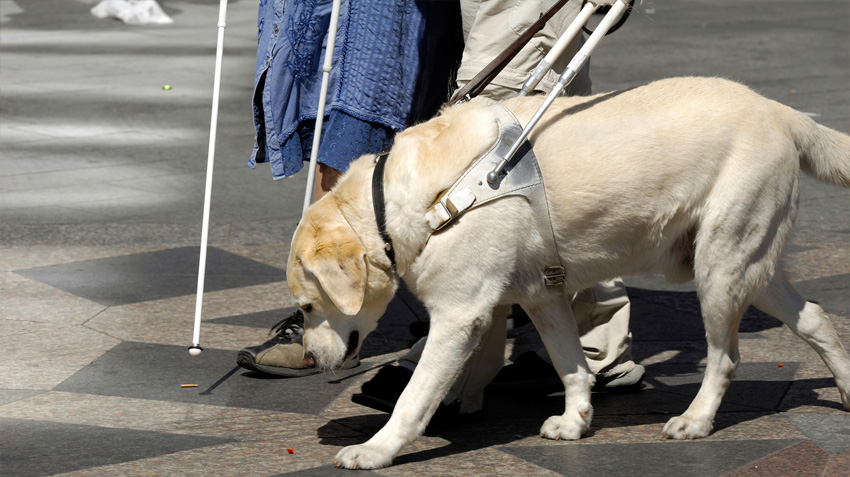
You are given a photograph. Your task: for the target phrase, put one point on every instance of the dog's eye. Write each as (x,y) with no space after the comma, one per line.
(307,308)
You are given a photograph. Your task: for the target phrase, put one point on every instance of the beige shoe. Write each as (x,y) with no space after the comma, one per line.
(282,355)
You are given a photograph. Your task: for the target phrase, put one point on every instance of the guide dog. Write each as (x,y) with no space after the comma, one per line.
(693,178)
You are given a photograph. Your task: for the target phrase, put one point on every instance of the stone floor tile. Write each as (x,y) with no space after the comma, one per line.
(838,464)
(11,395)
(831,432)
(459,459)
(152,371)
(274,255)
(27,300)
(45,358)
(244,458)
(152,276)
(822,260)
(112,234)
(18,258)
(34,448)
(157,415)
(17,327)
(171,321)
(703,458)
(801,459)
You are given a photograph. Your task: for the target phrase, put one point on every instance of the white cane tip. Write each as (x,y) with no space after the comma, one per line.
(195,351)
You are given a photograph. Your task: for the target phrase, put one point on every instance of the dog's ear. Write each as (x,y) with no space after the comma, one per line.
(340,267)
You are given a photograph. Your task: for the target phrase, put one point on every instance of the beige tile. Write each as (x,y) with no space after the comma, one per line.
(27,300)
(825,260)
(19,258)
(249,458)
(17,327)
(163,416)
(484,461)
(44,358)
(171,321)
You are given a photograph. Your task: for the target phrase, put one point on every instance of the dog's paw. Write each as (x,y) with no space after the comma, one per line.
(364,456)
(570,426)
(845,399)
(683,427)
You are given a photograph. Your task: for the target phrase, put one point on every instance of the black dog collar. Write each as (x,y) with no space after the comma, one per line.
(378,205)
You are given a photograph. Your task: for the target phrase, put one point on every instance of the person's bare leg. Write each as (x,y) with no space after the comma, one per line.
(326,178)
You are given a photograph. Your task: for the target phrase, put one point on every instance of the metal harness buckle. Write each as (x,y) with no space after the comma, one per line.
(554,275)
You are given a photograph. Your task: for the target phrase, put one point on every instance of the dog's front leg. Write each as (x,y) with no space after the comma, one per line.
(557,327)
(447,349)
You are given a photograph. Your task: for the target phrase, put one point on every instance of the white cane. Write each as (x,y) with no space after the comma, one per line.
(320,110)
(575,65)
(195,349)
(566,38)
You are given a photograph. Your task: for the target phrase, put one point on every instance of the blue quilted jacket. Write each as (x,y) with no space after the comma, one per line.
(392,64)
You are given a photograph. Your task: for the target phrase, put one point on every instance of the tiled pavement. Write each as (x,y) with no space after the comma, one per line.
(101,184)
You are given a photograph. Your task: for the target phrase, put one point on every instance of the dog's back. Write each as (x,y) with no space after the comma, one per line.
(649,174)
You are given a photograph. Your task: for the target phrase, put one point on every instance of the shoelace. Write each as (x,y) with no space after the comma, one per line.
(293,323)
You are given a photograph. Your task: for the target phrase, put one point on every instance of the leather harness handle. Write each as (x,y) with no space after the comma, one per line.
(477,84)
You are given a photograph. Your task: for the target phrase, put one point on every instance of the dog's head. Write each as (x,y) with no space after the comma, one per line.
(339,275)
(333,281)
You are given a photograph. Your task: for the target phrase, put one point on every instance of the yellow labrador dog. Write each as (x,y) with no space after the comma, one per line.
(694,178)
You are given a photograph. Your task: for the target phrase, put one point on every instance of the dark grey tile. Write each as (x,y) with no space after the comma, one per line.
(673,458)
(831,432)
(151,371)
(260,319)
(757,386)
(30,448)
(153,276)
(832,293)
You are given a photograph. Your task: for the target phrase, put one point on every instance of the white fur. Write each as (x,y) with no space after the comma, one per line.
(695,178)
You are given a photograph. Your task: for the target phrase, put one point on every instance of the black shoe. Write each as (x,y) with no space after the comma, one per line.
(283,354)
(623,383)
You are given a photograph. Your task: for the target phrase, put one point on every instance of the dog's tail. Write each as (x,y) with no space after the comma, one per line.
(824,152)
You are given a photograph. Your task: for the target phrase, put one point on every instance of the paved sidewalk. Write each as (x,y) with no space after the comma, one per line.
(101,190)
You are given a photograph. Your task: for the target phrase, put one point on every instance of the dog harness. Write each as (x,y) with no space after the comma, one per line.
(521,178)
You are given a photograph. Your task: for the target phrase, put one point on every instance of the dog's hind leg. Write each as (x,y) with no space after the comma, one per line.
(808,321)
(721,318)
(556,324)
(743,223)
(723,299)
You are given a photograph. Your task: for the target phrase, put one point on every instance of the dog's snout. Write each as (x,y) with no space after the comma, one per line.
(309,360)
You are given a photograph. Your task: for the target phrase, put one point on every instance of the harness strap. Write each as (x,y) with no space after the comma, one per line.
(524,179)
(480,81)
(378,205)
